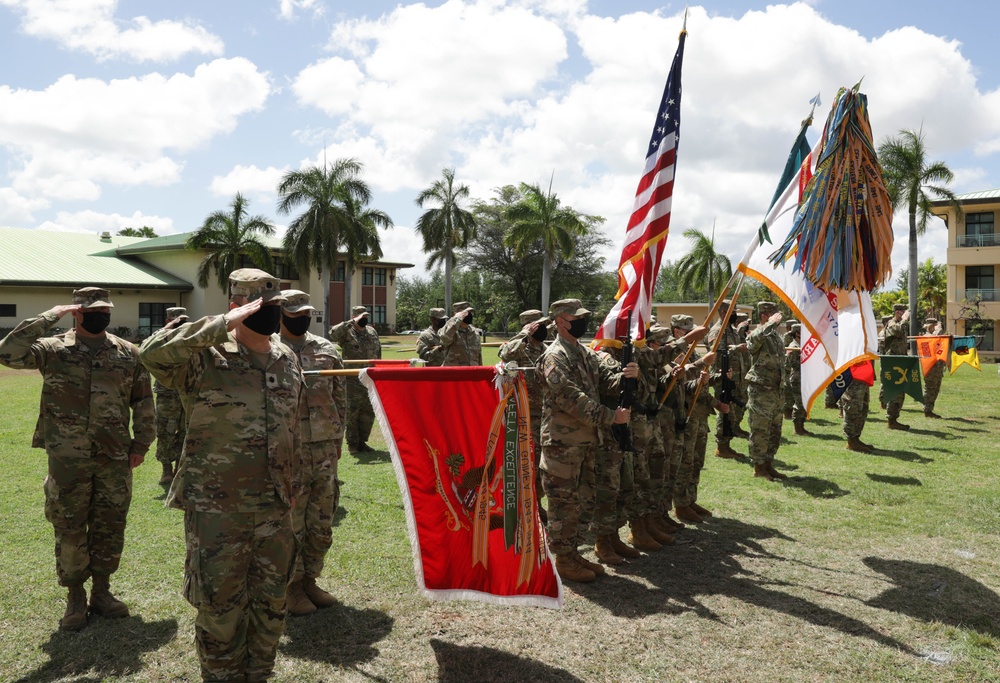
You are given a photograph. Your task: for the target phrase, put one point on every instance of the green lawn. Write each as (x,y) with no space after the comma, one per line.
(881,567)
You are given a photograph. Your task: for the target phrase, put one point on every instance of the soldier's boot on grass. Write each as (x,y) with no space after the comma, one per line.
(686,513)
(931,414)
(855,444)
(75,616)
(656,521)
(896,424)
(587,564)
(168,473)
(569,570)
(800,429)
(726,451)
(760,470)
(661,537)
(775,473)
(317,595)
(623,549)
(673,526)
(702,512)
(103,602)
(639,538)
(299,605)
(605,551)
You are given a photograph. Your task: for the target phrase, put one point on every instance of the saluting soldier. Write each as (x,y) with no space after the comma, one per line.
(92,384)
(239,474)
(462,345)
(766,403)
(932,381)
(894,344)
(429,345)
(358,340)
(322,433)
(169,418)
(793,381)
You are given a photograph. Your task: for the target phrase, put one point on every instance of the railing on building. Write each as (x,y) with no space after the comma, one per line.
(981,294)
(990,240)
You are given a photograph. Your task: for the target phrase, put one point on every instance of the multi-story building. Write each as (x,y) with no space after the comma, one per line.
(973,259)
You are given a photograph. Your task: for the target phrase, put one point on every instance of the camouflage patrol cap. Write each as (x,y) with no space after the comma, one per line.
(567,307)
(253,283)
(767,307)
(742,317)
(658,334)
(530,316)
(460,306)
(930,321)
(438,314)
(899,307)
(682,322)
(790,322)
(796,328)
(175,312)
(92,297)
(358,310)
(295,301)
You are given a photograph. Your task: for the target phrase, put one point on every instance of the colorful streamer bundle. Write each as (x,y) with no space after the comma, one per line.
(842,234)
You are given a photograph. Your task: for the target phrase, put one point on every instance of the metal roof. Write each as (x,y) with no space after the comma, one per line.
(980,197)
(44,258)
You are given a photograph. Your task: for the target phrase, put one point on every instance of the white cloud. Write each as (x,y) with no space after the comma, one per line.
(250,181)
(288,8)
(16,210)
(96,222)
(91,26)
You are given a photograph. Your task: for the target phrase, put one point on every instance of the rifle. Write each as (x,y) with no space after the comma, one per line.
(626,397)
(727,391)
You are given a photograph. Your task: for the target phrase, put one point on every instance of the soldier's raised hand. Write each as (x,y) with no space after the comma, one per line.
(696,334)
(63,309)
(776,318)
(240,313)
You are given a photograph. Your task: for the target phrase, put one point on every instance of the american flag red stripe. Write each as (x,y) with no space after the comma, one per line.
(646,233)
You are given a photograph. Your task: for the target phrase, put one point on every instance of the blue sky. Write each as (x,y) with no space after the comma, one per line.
(136,113)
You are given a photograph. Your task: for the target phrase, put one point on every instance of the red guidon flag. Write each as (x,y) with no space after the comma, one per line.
(461,447)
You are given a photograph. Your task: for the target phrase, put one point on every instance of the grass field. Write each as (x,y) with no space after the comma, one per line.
(881,567)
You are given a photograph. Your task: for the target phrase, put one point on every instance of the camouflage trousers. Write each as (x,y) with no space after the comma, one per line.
(764,415)
(360,415)
(693,460)
(602,485)
(315,507)
(563,470)
(672,466)
(661,461)
(170,427)
(647,447)
(794,389)
(894,406)
(236,573)
(854,403)
(932,385)
(830,399)
(736,412)
(87,497)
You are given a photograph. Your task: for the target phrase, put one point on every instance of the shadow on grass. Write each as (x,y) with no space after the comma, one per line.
(458,664)
(823,437)
(372,457)
(907,456)
(104,649)
(821,421)
(895,481)
(933,593)
(711,566)
(816,487)
(972,429)
(339,635)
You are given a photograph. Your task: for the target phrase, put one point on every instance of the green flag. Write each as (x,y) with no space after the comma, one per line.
(899,375)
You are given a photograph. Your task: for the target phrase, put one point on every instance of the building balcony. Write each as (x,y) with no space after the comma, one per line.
(977,241)
(981,294)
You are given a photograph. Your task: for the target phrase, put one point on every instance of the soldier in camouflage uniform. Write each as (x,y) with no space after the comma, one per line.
(932,381)
(92,383)
(765,407)
(169,419)
(358,341)
(894,344)
(734,343)
(854,405)
(429,346)
(462,345)
(524,349)
(793,381)
(786,387)
(243,392)
(321,433)
(572,417)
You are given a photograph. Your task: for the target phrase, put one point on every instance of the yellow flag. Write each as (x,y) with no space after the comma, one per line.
(970,357)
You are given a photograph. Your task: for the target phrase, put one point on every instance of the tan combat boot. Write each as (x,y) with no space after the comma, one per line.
(673,526)
(896,424)
(800,429)
(760,470)
(103,602)
(298,604)
(686,513)
(640,538)
(569,570)
(75,616)
(855,444)
(605,551)
(931,414)
(587,564)
(317,595)
(661,537)
(726,451)
(702,512)
(168,473)
(775,473)
(623,549)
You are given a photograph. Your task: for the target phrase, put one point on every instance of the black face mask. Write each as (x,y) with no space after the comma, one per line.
(266,321)
(296,326)
(363,322)
(577,327)
(467,319)
(541,334)
(437,324)
(95,322)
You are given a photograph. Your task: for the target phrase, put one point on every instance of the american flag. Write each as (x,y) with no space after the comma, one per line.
(646,235)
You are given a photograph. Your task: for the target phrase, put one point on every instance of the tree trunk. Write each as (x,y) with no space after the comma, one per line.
(324,278)
(348,281)
(447,284)
(912,284)
(546,283)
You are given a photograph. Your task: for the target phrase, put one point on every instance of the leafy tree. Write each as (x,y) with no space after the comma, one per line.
(227,237)
(415,296)
(446,225)
(144,231)
(540,218)
(932,289)
(914,182)
(703,266)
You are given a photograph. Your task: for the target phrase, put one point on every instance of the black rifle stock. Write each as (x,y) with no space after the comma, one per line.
(626,397)
(727,391)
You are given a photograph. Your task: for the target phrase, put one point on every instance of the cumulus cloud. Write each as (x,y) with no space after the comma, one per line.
(91,26)
(250,181)
(18,210)
(96,222)
(289,8)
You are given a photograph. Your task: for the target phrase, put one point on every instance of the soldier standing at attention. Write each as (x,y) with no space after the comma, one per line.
(932,382)
(733,343)
(462,345)
(322,433)
(854,404)
(92,383)
(766,403)
(429,346)
(894,344)
(793,383)
(169,419)
(572,418)
(358,341)
(239,474)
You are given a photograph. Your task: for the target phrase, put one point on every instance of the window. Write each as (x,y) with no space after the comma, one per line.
(340,272)
(283,269)
(979,277)
(380,277)
(367,276)
(979,230)
(378,314)
(151,318)
(8,310)
(981,328)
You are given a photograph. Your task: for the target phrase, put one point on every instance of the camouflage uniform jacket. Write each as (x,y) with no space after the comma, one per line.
(461,347)
(86,399)
(793,363)
(739,360)
(767,350)
(522,351)
(326,397)
(242,446)
(356,344)
(430,348)
(652,369)
(575,380)
(705,404)
(894,343)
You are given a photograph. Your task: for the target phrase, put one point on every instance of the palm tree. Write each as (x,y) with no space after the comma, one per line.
(703,266)
(144,231)
(314,237)
(229,236)
(538,217)
(447,226)
(910,179)
(360,238)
